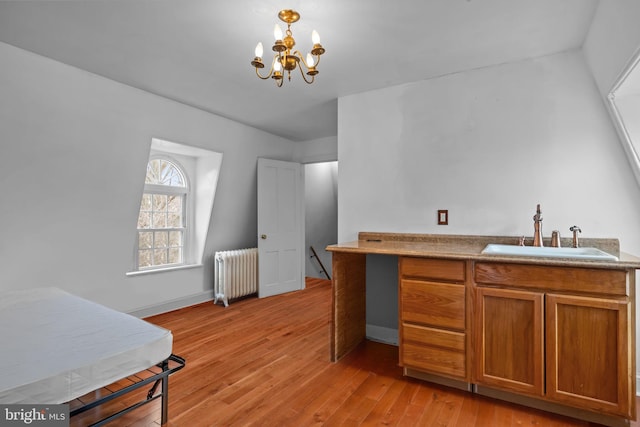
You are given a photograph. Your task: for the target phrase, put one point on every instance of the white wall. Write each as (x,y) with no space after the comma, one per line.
(487,145)
(321,214)
(611,46)
(316,150)
(73,151)
(613,38)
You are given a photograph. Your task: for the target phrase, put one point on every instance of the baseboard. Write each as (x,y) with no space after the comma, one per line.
(174,304)
(382,334)
(591,417)
(460,385)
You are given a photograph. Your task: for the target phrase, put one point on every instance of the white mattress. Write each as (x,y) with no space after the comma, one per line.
(55,347)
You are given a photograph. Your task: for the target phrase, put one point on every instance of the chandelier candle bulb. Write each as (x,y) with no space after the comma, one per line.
(277,32)
(315,37)
(259,50)
(310,61)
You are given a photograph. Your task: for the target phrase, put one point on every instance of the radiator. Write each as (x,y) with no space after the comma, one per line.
(236,274)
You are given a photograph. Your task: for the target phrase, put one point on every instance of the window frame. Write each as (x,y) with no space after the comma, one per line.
(631,147)
(187,209)
(202,168)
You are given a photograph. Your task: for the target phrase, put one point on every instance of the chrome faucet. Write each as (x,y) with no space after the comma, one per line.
(575,230)
(537,226)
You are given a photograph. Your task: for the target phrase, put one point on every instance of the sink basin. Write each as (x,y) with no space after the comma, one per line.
(535,251)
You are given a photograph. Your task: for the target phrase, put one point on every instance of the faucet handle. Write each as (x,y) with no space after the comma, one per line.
(538,216)
(575,229)
(521,241)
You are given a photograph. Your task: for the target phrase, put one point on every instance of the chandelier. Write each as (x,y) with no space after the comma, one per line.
(285,60)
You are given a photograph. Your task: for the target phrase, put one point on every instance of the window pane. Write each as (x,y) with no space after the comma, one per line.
(159,202)
(144,240)
(175,255)
(164,172)
(153,171)
(159,220)
(144,220)
(144,258)
(161,239)
(175,221)
(146,202)
(175,238)
(159,256)
(175,204)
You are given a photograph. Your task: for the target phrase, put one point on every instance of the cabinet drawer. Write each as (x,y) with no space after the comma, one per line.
(548,278)
(433,304)
(434,359)
(433,337)
(436,269)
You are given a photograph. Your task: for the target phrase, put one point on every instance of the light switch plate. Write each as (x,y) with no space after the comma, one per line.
(443,217)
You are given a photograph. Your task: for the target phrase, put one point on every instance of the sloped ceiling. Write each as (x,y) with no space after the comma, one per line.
(198,52)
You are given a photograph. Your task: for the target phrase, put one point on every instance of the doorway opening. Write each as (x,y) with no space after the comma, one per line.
(321,216)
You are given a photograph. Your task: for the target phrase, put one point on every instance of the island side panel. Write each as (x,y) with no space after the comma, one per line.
(348,316)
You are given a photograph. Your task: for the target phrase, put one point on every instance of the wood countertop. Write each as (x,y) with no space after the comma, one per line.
(469,247)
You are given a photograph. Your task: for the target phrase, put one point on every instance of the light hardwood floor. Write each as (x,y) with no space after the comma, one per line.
(265,362)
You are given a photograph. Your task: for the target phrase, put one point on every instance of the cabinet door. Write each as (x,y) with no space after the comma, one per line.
(588,353)
(509,340)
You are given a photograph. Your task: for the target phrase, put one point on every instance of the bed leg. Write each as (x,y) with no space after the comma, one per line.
(165,394)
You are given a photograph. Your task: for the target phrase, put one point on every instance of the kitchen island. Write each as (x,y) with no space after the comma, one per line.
(556,333)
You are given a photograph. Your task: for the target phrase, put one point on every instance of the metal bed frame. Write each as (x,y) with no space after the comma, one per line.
(160,378)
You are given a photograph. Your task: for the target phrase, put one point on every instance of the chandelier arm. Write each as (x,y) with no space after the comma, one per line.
(263,78)
(276,57)
(304,77)
(302,58)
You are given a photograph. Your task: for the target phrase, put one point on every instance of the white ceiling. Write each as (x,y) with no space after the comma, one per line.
(199,51)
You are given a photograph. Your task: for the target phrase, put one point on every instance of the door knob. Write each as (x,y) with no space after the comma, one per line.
(263,236)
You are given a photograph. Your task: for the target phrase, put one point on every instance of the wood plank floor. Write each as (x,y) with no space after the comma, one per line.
(265,362)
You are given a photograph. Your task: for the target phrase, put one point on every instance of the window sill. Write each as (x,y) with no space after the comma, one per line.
(161,270)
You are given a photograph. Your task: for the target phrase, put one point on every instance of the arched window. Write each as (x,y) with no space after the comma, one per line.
(162,227)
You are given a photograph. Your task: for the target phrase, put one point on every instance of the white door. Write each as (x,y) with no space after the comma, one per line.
(280,227)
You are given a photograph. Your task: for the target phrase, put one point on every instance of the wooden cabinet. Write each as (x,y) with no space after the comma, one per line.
(510,340)
(564,335)
(433,330)
(588,351)
(556,334)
